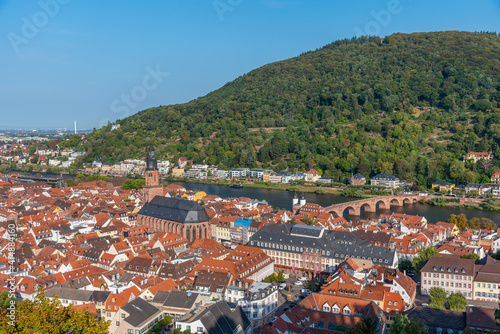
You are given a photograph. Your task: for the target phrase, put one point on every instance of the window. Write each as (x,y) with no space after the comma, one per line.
(130,331)
(395,303)
(117,323)
(123,315)
(200,329)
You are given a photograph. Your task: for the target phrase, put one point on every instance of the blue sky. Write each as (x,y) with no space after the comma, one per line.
(94,61)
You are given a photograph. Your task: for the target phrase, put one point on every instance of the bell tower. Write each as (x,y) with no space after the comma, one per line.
(152,187)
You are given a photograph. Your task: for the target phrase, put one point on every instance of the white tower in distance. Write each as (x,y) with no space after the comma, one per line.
(75,127)
(302,200)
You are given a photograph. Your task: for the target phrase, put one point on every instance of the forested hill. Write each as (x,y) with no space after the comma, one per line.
(408,104)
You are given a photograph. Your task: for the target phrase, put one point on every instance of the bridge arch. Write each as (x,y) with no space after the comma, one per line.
(368,207)
(334,214)
(396,202)
(382,205)
(407,201)
(351,211)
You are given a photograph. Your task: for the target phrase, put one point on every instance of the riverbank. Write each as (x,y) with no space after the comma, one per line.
(480,204)
(43,170)
(346,192)
(263,185)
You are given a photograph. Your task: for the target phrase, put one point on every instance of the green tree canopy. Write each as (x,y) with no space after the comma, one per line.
(423,256)
(5,299)
(405,265)
(49,316)
(368,325)
(457,302)
(403,325)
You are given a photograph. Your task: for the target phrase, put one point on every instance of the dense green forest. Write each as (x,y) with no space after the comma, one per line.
(408,104)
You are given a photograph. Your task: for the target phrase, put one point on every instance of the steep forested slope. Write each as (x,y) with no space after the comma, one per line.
(409,104)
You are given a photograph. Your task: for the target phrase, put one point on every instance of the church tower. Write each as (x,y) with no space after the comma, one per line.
(152,187)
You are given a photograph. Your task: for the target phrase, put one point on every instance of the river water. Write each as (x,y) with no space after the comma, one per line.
(283,199)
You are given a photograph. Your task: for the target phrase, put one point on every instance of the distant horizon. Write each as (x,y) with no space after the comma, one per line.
(97,62)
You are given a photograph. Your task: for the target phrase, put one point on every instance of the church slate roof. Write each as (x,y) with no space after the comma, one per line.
(173,209)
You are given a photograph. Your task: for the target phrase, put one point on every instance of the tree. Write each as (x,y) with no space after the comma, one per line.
(71,182)
(436,305)
(49,316)
(438,294)
(5,299)
(497,315)
(457,302)
(462,221)
(308,220)
(438,298)
(423,256)
(474,257)
(403,325)
(485,164)
(368,325)
(405,265)
(133,184)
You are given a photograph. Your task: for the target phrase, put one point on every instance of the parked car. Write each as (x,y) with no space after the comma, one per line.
(305,292)
(298,283)
(303,279)
(282,286)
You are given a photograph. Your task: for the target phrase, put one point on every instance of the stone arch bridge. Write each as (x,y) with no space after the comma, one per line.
(371,204)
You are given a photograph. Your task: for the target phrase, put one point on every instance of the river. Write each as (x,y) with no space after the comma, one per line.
(283,199)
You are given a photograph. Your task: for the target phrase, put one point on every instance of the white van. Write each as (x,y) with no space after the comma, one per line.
(282,286)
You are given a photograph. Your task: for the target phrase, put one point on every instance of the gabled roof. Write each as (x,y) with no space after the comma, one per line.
(178,210)
(139,310)
(178,299)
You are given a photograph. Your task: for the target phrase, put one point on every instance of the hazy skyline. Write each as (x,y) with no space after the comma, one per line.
(95,61)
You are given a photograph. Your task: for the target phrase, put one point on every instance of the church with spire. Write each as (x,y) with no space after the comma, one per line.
(186,218)
(152,186)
